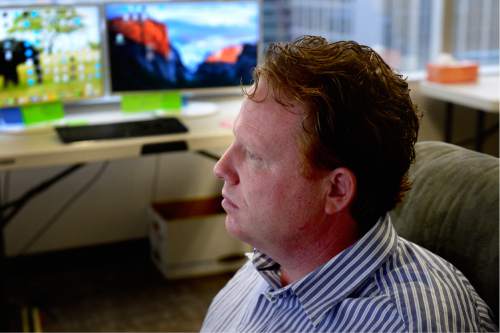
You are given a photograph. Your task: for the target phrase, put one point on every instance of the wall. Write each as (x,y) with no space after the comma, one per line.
(114,208)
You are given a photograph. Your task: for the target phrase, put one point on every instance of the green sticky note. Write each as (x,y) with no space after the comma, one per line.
(43,112)
(172,101)
(151,102)
(141,102)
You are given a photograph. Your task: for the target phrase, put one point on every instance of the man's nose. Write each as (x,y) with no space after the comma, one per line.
(224,168)
(218,169)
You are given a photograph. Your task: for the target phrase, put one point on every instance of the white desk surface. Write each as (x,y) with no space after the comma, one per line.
(26,150)
(483,95)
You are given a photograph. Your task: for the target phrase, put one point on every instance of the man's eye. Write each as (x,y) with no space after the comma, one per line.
(253,156)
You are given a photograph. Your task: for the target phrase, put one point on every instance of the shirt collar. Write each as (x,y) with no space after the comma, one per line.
(267,268)
(329,284)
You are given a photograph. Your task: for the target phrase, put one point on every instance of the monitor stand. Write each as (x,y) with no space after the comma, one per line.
(190,110)
(198,109)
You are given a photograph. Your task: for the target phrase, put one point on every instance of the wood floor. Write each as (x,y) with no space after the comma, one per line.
(109,288)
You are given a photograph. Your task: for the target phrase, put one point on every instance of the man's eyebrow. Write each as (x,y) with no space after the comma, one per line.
(249,141)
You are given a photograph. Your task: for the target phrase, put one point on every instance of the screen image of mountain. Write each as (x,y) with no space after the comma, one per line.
(142,57)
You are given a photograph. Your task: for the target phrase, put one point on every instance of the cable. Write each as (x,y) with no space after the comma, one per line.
(9,210)
(208,154)
(64,208)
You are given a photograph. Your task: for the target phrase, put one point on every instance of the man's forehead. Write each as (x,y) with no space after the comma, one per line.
(266,120)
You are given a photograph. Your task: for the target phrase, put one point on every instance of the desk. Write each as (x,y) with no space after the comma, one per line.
(32,150)
(45,149)
(483,96)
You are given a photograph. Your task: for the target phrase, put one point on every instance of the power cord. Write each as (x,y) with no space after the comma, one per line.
(10,209)
(64,208)
(208,154)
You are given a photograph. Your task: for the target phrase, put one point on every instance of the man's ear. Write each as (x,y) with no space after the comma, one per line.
(341,192)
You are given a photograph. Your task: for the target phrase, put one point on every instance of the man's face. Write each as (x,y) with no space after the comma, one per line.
(269,203)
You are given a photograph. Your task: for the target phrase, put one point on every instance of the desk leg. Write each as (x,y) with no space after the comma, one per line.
(448,126)
(4,306)
(479,130)
(8,313)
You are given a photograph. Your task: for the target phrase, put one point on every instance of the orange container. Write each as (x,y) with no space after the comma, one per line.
(456,73)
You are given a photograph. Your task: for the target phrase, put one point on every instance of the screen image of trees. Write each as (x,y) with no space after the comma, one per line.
(48,54)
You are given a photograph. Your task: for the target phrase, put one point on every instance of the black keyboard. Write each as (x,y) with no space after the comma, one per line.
(120,130)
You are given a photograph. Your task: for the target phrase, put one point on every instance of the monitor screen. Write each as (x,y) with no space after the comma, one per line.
(182,45)
(49,53)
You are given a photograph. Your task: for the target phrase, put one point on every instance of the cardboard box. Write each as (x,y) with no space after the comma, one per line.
(463,72)
(188,238)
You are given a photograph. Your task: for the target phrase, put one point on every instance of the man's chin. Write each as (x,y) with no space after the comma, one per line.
(234,228)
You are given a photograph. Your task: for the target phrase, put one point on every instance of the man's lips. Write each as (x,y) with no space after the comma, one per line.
(228,204)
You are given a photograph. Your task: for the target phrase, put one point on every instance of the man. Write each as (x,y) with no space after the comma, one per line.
(323,143)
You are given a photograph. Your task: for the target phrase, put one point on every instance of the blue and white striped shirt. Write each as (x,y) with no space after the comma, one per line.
(382,283)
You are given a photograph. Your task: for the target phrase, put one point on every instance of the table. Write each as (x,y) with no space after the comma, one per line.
(482,96)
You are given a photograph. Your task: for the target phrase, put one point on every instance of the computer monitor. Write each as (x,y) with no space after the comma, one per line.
(49,53)
(182,45)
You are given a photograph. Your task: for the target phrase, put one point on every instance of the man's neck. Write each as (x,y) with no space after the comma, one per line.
(308,256)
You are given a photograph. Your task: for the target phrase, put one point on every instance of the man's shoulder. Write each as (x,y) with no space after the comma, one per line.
(413,263)
(429,293)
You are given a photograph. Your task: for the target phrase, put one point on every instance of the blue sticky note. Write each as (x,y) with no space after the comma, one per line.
(11,116)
